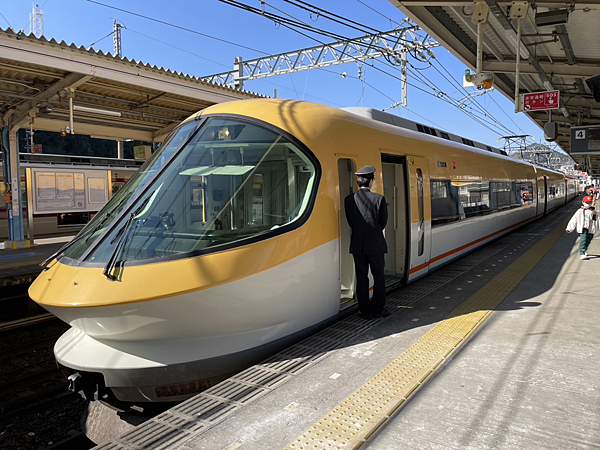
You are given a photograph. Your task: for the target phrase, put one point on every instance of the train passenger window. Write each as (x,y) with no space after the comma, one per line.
(524,193)
(502,194)
(444,202)
(233,181)
(474,198)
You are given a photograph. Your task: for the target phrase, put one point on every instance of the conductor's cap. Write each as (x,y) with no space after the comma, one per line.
(366,172)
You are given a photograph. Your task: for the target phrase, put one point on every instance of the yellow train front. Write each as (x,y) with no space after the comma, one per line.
(231,243)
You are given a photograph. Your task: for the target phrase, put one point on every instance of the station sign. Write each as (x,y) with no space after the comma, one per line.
(539,101)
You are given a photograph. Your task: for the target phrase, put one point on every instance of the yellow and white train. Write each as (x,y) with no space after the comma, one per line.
(231,241)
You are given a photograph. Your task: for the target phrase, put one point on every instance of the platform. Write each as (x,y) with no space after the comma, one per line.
(498,350)
(21,266)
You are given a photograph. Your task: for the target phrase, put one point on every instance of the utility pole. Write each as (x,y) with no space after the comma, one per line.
(37,21)
(117,38)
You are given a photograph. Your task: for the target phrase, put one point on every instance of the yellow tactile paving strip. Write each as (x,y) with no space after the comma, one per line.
(352,422)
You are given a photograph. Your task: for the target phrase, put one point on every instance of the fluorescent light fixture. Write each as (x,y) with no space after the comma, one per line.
(512,38)
(557,17)
(111,138)
(104,112)
(216,170)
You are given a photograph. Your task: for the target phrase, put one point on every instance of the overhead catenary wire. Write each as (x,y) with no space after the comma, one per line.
(464,90)
(177,26)
(335,18)
(315,9)
(445,97)
(290,25)
(319,10)
(383,15)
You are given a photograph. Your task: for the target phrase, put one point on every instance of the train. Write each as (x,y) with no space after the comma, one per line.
(64,218)
(231,242)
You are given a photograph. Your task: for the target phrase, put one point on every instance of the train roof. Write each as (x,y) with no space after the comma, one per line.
(398,121)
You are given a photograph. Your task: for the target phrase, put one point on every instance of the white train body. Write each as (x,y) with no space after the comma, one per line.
(231,242)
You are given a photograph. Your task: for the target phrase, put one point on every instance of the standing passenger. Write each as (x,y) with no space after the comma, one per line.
(586,222)
(367,216)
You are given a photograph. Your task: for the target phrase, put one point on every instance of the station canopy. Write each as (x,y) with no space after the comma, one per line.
(112,97)
(560,50)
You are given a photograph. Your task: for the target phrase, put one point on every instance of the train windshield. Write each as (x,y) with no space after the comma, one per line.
(233,181)
(101,221)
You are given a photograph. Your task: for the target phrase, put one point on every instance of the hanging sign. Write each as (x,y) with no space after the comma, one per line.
(538,101)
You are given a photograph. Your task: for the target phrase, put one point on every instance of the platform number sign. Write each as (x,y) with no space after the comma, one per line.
(585,139)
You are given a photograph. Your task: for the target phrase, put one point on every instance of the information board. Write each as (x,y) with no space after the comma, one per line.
(69,190)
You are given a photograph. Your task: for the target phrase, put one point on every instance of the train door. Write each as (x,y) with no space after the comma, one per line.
(347,186)
(394,186)
(420,216)
(545,195)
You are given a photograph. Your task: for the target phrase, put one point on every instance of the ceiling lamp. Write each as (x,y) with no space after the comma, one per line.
(556,17)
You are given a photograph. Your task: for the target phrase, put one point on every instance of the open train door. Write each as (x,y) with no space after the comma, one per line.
(347,186)
(420,216)
(396,232)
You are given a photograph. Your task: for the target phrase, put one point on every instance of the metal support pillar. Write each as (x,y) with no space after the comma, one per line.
(517,71)
(120,150)
(404,72)
(238,69)
(12,177)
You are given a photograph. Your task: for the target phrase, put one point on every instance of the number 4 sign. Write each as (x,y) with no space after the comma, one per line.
(580,134)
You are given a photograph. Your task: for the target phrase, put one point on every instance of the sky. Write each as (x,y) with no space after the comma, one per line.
(203,37)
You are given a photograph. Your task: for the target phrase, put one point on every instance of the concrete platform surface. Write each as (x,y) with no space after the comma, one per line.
(526,379)
(21,266)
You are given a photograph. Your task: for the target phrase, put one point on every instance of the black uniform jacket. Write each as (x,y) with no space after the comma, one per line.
(367,215)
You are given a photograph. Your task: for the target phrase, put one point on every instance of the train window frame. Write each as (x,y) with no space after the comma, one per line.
(445,204)
(89,230)
(306,209)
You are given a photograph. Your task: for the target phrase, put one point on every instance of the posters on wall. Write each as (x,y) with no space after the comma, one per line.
(65,191)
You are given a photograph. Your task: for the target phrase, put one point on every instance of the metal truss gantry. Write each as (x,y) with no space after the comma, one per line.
(395,45)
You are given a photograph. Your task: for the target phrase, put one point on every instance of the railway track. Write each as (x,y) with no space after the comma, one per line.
(28,368)
(36,407)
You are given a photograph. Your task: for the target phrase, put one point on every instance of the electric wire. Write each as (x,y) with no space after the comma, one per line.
(282,20)
(177,48)
(483,110)
(444,97)
(288,24)
(10,26)
(176,26)
(100,40)
(382,15)
(335,18)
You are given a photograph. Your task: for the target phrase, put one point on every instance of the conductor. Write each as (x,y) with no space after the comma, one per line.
(367,216)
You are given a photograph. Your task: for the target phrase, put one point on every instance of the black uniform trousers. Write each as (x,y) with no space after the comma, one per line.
(377,262)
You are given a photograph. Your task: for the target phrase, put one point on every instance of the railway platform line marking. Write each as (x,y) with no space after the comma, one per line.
(358,418)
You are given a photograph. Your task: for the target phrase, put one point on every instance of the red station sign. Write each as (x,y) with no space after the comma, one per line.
(538,101)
